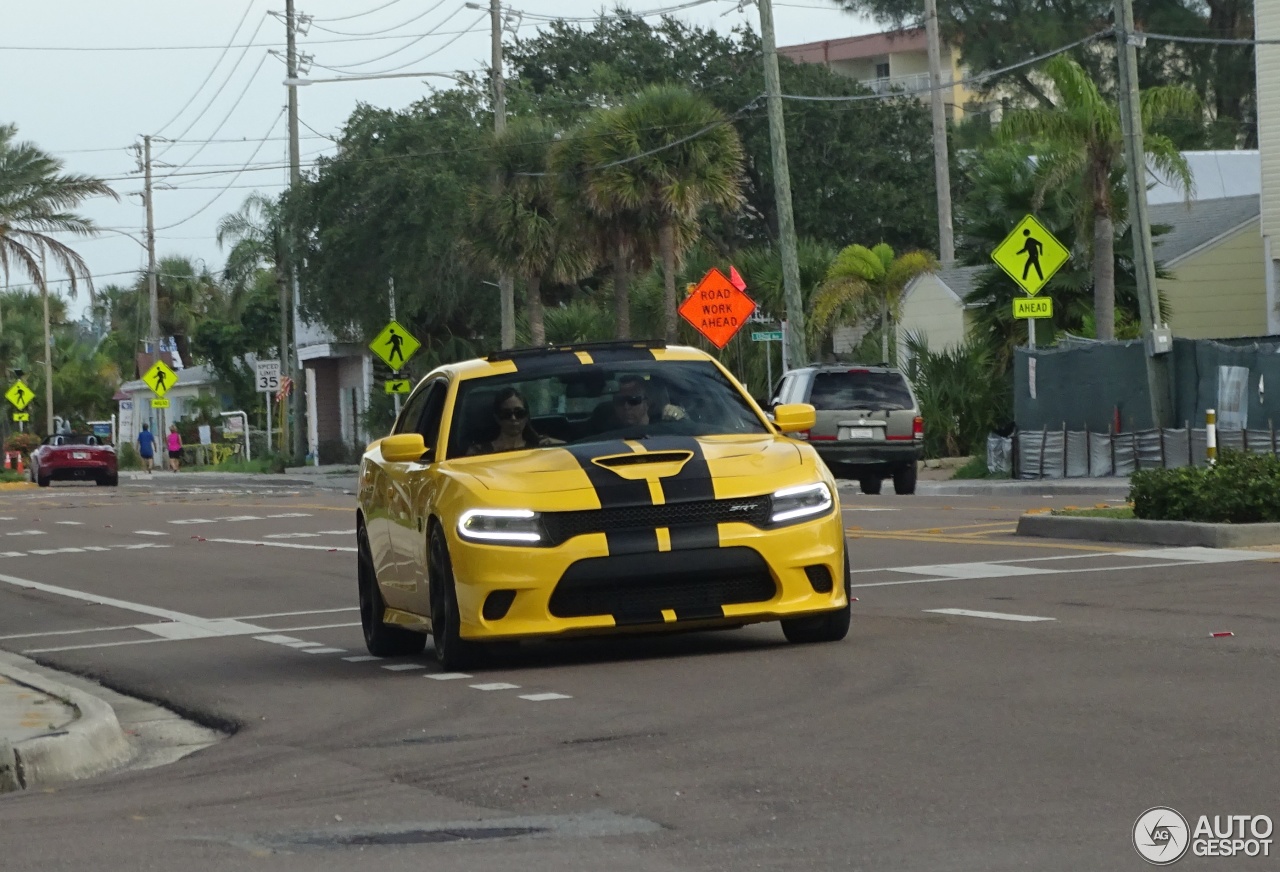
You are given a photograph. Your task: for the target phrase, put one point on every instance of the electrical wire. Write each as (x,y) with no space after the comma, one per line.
(212,69)
(217,196)
(620,14)
(1206,40)
(432,53)
(230,75)
(420,15)
(359,14)
(395,51)
(225,118)
(340,40)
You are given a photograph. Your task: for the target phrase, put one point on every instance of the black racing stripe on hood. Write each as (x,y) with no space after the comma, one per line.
(692,483)
(614,491)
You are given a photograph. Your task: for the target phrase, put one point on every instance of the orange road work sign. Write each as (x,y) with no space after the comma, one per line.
(717,308)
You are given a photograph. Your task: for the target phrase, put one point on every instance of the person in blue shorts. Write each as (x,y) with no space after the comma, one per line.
(146,447)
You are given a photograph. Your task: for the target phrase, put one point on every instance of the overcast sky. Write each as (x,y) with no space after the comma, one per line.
(89,106)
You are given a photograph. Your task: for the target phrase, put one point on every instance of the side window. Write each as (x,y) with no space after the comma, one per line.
(429,424)
(780,391)
(411,413)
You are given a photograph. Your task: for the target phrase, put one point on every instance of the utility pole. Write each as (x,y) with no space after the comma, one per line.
(153,332)
(941,167)
(48,349)
(506,281)
(289,361)
(1157,339)
(796,351)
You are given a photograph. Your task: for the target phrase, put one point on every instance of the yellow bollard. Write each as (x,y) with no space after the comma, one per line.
(1211,435)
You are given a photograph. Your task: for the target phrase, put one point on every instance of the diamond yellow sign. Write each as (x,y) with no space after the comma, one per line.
(160,378)
(1030,255)
(394,345)
(20,395)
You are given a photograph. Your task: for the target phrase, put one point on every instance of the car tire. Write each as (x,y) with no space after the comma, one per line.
(827,627)
(454,653)
(904,480)
(870,485)
(107,480)
(382,640)
(41,480)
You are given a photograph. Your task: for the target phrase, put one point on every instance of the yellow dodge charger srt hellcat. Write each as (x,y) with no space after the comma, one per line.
(588,489)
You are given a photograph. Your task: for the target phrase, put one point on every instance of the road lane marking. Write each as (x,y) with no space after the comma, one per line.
(297,614)
(999,616)
(291,536)
(277,639)
(973,570)
(67,632)
(1162,565)
(325,650)
(361,658)
(447,676)
(285,545)
(321,627)
(26,533)
(543,697)
(100,600)
(149,533)
(98,645)
(496,685)
(403,667)
(1200,555)
(71,523)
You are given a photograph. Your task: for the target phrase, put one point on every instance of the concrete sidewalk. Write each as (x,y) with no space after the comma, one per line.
(56,727)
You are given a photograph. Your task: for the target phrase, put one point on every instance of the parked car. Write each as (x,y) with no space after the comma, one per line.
(74,457)
(868,425)
(592,489)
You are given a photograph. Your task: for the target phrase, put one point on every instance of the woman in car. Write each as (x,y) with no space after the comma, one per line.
(515,430)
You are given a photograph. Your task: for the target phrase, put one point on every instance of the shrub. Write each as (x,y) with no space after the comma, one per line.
(1240,489)
(127,457)
(24,442)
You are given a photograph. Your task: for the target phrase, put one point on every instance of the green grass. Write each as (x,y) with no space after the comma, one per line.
(977,468)
(7,476)
(1122,512)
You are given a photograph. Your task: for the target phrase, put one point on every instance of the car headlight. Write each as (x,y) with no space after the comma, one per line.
(501,525)
(804,501)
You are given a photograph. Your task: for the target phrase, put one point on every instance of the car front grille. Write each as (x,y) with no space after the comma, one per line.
(637,588)
(562,526)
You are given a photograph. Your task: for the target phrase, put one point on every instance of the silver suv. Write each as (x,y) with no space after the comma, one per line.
(868,424)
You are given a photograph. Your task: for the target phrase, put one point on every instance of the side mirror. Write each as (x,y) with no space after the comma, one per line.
(403,448)
(794,417)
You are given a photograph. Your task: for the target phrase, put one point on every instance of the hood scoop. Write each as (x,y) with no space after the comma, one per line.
(645,465)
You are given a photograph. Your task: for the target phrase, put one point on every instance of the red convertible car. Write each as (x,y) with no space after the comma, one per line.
(74,457)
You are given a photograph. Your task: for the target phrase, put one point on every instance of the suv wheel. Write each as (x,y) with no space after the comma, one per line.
(871,485)
(904,480)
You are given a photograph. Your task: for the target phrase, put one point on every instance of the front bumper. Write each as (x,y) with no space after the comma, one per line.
(735,574)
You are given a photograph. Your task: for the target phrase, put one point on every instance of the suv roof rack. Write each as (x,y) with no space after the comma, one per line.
(605,345)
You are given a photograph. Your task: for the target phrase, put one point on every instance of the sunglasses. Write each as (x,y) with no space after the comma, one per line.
(629,400)
(517,414)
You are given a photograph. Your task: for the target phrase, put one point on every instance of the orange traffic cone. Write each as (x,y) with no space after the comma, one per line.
(8,463)
(19,461)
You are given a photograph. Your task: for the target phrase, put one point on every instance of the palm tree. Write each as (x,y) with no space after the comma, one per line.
(516,224)
(256,234)
(36,197)
(864,280)
(1079,142)
(667,154)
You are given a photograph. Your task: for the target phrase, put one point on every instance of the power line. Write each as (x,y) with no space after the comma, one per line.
(1206,40)
(420,15)
(233,178)
(225,118)
(395,51)
(361,14)
(212,69)
(433,52)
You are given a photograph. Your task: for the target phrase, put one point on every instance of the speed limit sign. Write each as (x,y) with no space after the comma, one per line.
(268,376)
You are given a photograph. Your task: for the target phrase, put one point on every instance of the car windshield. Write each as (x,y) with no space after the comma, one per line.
(573,403)
(860,389)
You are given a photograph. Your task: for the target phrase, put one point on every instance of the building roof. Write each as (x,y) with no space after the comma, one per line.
(1200,223)
(958,280)
(1217,174)
(850,48)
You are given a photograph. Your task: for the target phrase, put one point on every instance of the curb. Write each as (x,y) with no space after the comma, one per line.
(1059,487)
(1150,532)
(89,745)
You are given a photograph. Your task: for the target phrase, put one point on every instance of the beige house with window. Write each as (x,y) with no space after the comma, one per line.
(896,60)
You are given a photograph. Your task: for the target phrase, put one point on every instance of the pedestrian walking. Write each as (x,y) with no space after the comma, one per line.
(146,447)
(175,447)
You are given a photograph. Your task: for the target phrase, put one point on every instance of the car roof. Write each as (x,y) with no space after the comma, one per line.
(509,361)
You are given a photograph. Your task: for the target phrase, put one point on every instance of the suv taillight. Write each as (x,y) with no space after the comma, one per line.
(917,428)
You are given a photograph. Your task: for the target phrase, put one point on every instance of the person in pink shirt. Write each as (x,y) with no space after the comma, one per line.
(175,447)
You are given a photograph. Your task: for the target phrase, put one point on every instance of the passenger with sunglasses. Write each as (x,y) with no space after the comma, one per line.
(632,404)
(515,430)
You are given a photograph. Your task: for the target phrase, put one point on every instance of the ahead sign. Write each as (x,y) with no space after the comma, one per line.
(268,376)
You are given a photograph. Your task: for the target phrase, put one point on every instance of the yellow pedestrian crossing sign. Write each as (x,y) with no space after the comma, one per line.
(1032,307)
(160,378)
(19,394)
(1030,255)
(21,417)
(394,345)
(398,386)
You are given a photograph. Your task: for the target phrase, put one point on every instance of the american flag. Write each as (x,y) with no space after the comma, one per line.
(286,388)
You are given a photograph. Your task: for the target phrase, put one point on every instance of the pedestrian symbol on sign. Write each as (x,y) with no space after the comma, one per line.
(394,340)
(1031,248)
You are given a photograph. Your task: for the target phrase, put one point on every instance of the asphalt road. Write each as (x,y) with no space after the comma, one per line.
(925,741)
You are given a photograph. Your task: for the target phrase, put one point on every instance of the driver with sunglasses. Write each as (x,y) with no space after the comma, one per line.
(515,430)
(631,404)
